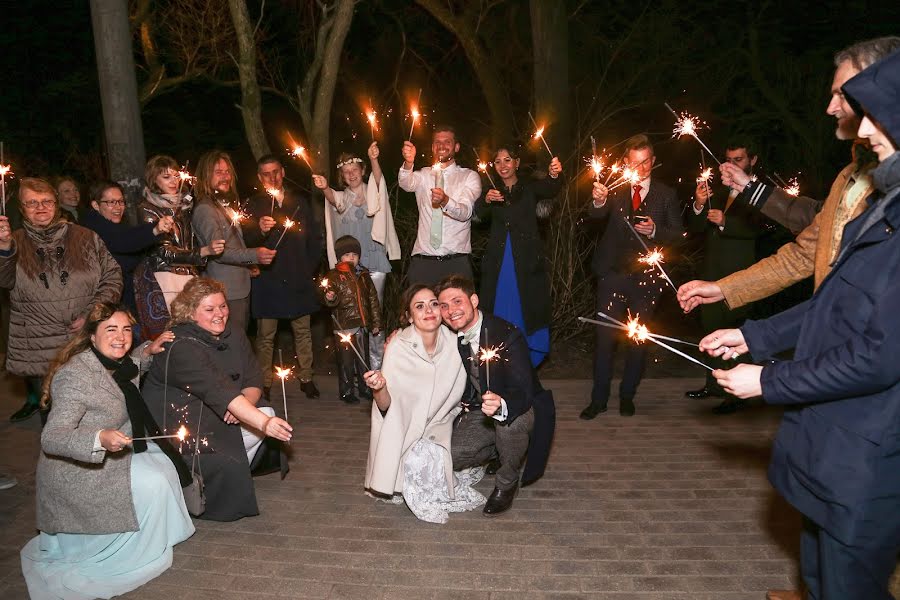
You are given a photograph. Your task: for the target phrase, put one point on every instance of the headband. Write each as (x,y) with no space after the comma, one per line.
(349,161)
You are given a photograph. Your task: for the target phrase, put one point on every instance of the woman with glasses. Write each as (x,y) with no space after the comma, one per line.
(126,243)
(174,260)
(55,271)
(417,397)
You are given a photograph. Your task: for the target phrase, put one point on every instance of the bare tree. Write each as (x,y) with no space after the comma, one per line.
(251,96)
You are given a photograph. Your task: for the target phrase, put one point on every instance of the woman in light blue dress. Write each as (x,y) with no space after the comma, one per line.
(109,507)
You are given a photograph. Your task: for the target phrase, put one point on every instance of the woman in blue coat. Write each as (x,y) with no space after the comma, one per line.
(836,457)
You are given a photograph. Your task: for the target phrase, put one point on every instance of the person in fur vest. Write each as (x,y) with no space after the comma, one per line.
(355,311)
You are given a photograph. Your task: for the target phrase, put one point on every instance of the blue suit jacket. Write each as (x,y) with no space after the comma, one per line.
(836,456)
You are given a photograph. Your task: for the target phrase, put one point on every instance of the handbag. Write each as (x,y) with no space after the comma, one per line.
(194,493)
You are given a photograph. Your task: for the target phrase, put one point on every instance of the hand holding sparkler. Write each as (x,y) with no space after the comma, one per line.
(599,194)
(743,381)
(409,155)
(703,193)
(726,343)
(491,403)
(264,256)
(266,223)
(694,293)
(181,435)
(5,233)
(113,440)
(733,176)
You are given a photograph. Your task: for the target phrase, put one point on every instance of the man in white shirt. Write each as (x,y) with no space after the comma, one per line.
(445,194)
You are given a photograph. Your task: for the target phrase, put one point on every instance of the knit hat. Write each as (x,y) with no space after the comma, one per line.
(345,245)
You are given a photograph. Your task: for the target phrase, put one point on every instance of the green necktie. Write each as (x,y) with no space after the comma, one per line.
(437,216)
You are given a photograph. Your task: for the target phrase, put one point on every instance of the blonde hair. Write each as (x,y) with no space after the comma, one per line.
(36,184)
(186,302)
(206,167)
(345,159)
(100,312)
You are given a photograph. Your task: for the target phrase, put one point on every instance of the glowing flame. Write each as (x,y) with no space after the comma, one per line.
(5,170)
(283,373)
(272,192)
(182,433)
(346,338)
(652,258)
(539,133)
(482,166)
(793,187)
(415,114)
(371,117)
(184,175)
(705,175)
(288,223)
(636,330)
(686,125)
(299,151)
(631,175)
(324,283)
(596,166)
(236,216)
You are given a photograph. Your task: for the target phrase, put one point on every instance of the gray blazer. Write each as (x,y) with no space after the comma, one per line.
(78,490)
(210,223)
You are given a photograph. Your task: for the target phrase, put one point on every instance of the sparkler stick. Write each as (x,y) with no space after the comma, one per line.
(651,258)
(630,176)
(540,134)
(653,335)
(414,113)
(680,353)
(184,175)
(182,433)
(301,152)
(370,115)
(482,166)
(615,168)
(596,164)
(686,124)
(4,171)
(282,374)
(639,333)
(347,338)
(288,223)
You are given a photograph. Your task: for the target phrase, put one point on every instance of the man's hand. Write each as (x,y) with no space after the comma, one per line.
(555,168)
(164,225)
(5,234)
(645,227)
(716,216)
(439,198)
(742,381)
(702,194)
(264,256)
(599,193)
(490,403)
(734,176)
(76,325)
(319,181)
(254,271)
(113,440)
(493,196)
(266,223)
(409,155)
(727,343)
(694,293)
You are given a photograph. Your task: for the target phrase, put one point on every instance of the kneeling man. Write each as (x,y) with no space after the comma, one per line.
(507,418)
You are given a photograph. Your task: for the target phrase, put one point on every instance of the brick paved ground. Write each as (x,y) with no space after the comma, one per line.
(670,504)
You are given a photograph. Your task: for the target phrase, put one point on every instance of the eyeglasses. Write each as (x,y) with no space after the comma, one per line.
(32,204)
(640,164)
(113,202)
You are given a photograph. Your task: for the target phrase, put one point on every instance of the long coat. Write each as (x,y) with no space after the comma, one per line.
(837,453)
(285,289)
(232,267)
(518,217)
(203,369)
(425,394)
(79,490)
(48,293)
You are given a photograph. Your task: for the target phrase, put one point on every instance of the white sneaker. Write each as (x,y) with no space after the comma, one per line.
(7,481)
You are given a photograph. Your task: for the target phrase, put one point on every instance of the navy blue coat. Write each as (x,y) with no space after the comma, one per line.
(286,289)
(836,456)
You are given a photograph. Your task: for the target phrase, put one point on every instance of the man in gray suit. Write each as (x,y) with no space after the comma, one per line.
(212,220)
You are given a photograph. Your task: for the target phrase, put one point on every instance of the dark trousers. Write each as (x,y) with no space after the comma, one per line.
(617,294)
(478,438)
(429,271)
(833,570)
(239,313)
(350,368)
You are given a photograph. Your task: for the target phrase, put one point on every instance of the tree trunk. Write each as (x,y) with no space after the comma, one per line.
(550,47)
(119,98)
(251,97)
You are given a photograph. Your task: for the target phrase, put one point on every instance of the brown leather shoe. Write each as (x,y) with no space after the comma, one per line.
(784,595)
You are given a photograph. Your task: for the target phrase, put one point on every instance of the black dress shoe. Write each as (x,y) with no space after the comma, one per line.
(493,466)
(500,501)
(24,413)
(592,411)
(626,407)
(309,388)
(730,406)
(703,392)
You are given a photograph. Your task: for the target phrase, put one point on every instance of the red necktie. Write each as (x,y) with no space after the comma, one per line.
(636,199)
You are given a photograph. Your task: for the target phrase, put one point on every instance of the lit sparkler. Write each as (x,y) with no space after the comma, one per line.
(540,134)
(323,283)
(283,374)
(640,334)
(792,188)
(287,225)
(181,434)
(370,116)
(414,113)
(436,170)
(299,151)
(184,177)
(236,217)
(486,355)
(615,168)
(687,124)
(653,335)
(483,167)
(347,338)
(4,171)
(654,258)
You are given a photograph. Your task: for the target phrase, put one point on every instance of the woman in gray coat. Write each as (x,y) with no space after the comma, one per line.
(109,507)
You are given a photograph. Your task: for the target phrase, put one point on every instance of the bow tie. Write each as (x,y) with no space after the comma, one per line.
(468,337)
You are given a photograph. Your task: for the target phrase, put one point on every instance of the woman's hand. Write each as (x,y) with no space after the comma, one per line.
(215,248)
(5,234)
(375,380)
(494,196)
(230,418)
(278,429)
(409,154)
(373,151)
(156,346)
(319,181)
(742,381)
(727,343)
(113,440)
(555,168)
(164,225)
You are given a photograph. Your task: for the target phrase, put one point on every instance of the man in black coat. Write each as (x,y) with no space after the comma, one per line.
(623,283)
(286,289)
(507,413)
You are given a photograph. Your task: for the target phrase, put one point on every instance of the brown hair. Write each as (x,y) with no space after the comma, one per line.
(344,156)
(157,165)
(188,299)
(637,142)
(36,184)
(406,300)
(100,187)
(455,282)
(443,127)
(205,170)
(100,312)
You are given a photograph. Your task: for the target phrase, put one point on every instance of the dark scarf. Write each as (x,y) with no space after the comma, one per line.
(123,372)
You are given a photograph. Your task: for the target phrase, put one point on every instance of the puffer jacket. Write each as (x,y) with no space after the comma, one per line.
(54,276)
(356,301)
(175,253)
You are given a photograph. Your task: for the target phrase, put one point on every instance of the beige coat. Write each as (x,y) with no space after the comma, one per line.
(810,254)
(425,394)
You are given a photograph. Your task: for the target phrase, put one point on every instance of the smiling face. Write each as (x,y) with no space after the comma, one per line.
(882,145)
(425,311)
(168,181)
(838,107)
(113,336)
(222,177)
(111,205)
(458,310)
(352,175)
(444,146)
(505,165)
(212,313)
(68,193)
